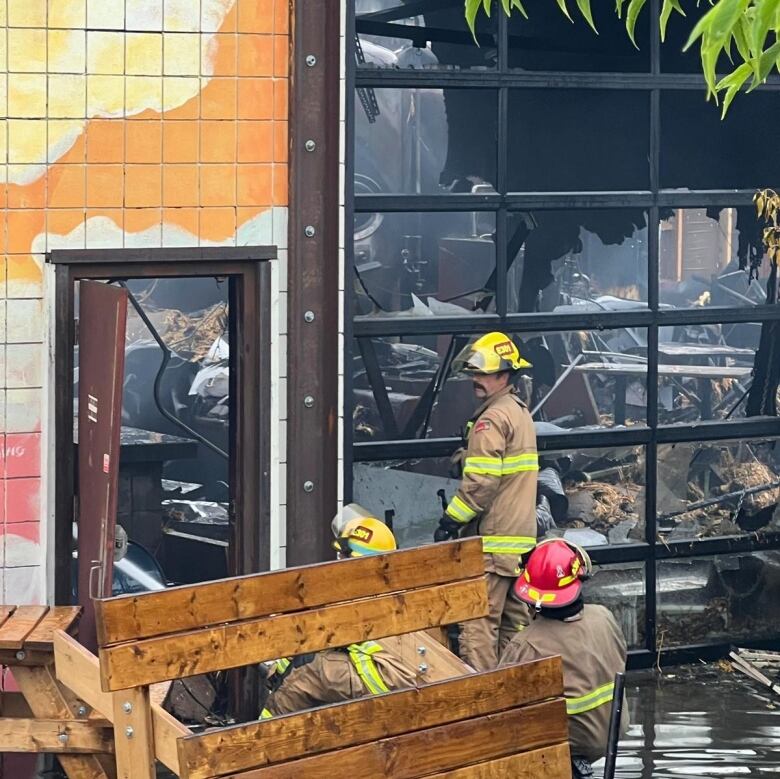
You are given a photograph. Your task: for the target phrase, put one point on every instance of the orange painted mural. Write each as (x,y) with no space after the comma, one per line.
(123,123)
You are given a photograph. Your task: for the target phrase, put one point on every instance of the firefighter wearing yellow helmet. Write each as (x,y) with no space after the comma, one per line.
(344,673)
(364,536)
(496,498)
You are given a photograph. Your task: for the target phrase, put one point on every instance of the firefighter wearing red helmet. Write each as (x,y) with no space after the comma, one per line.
(586,637)
(496,498)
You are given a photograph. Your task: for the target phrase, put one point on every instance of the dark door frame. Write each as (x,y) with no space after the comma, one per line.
(249,270)
(314,283)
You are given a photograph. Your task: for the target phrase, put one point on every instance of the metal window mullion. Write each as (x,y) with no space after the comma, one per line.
(537,79)
(503,43)
(651,473)
(655,37)
(523,201)
(501,265)
(502,173)
(348,399)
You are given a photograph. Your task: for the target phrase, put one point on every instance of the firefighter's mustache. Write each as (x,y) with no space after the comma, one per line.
(477,385)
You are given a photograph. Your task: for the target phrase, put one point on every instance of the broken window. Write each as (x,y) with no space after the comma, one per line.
(431,36)
(706,371)
(699,258)
(407,494)
(620,588)
(725,488)
(424,264)
(571,140)
(576,261)
(547,40)
(405,387)
(729,597)
(573,193)
(594,497)
(693,139)
(425,141)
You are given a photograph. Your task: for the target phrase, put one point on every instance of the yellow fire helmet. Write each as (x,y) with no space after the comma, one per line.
(367,536)
(346,516)
(491,353)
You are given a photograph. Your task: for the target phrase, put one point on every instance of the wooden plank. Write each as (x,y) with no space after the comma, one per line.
(443,748)
(433,660)
(175,609)
(5,612)
(547,763)
(32,657)
(241,643)
(16,628)
(57,618)
(133,735)
(53,735)
(77,668)
(39,687)
(255,744)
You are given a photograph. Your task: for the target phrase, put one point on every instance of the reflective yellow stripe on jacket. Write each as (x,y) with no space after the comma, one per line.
(516,545)
(265,714)
(592,700)
(360,654)
(519,463)
(501,466)
(460,511)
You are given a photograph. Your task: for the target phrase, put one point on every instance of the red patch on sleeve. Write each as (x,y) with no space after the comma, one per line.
(483,424)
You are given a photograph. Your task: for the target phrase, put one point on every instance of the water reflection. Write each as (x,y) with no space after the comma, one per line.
(698,722)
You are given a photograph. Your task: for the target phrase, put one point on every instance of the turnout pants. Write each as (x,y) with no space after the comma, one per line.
(483,640)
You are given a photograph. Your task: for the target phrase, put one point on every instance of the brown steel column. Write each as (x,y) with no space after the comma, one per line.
(313,282)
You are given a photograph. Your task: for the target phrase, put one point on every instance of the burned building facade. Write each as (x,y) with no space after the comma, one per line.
(580,194)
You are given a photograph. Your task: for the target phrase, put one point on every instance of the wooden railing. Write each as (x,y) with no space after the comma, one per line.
(509,722)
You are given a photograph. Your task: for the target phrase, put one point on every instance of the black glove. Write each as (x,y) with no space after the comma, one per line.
(448,528)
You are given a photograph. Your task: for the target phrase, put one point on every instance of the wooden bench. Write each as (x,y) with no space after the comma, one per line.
(45,716)
(509,722)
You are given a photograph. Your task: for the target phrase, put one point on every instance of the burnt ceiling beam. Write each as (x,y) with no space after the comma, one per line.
(313,281)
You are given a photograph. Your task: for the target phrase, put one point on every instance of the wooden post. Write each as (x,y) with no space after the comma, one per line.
(133,734)
(46,700)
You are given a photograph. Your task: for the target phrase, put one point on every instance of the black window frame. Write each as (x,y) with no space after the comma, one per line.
(502,79)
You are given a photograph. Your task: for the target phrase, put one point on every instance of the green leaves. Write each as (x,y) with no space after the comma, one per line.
(584,6)
(745,33)
(666,13)
(632,14)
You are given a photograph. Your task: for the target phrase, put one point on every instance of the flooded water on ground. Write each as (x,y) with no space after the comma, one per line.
(692,722)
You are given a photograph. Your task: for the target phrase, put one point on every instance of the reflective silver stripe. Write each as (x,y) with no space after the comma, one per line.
(591,700)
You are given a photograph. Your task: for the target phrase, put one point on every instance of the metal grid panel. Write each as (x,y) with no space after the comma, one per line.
(501,203)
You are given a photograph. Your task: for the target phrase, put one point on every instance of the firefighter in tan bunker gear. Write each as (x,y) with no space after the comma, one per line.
(348,672)
(587,638)
(496,498)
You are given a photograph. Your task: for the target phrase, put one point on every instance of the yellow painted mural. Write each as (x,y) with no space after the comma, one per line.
(123,123)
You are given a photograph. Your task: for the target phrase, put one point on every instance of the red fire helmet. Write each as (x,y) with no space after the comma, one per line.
(552,577)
